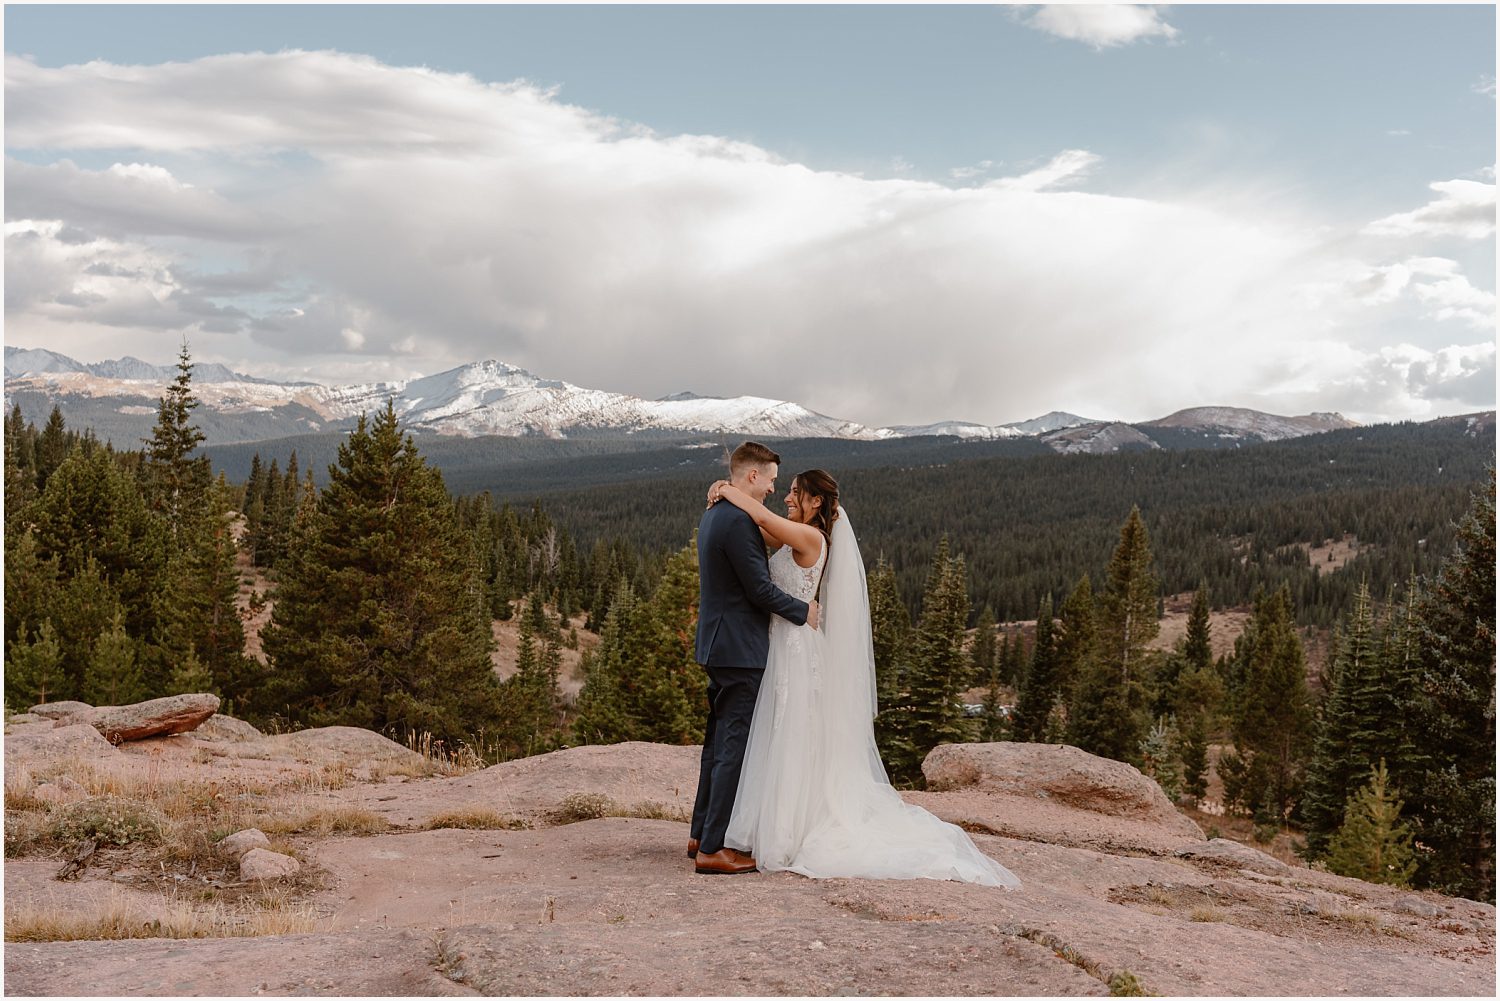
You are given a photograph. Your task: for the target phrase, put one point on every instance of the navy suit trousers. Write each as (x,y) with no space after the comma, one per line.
(731,703)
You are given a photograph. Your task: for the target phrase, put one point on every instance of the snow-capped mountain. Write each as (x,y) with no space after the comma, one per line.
(959,429)
(493,398)
(117,398)
(1053,421)
(1238,422)
(22,362)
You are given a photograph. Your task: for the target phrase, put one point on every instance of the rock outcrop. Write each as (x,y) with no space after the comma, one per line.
(226,728)
(1235,854)
(1114,893)
(76,741)
(57,710)
(348,742)
(1053,793)
(152,718)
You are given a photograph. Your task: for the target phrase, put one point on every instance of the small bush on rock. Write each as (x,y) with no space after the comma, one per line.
(583,806)
(109,820)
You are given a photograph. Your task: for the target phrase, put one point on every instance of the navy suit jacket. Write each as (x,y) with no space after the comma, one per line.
(736,598)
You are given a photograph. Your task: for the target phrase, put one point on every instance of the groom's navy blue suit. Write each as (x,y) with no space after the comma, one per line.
(736,600)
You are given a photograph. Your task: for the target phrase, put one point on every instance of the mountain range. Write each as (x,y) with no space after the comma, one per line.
(117,398)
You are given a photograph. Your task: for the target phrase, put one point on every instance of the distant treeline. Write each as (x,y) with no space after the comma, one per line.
(1029,526)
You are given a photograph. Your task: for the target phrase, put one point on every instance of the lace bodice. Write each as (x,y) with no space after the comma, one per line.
(799,582)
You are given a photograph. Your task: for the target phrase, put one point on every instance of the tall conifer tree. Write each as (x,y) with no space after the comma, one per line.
(380,618)
(1039,689)
(940,668)
(1452,792)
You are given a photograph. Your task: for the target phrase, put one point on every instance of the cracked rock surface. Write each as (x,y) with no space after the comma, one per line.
(611,905)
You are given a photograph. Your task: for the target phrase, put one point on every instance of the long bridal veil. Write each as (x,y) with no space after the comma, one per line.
(859,825)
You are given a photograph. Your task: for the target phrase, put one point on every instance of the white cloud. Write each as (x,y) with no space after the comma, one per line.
(1101,25)
(1465,209)
(1435,282)
(1398,382)
(1485,85)
(1069,166)
(968,173)
(354,221)
(125,198)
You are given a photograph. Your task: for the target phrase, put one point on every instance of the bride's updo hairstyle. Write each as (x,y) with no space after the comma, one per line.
(817,483)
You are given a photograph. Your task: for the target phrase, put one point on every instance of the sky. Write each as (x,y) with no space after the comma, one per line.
(889,214)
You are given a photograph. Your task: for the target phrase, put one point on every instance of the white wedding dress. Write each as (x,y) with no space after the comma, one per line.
(813,796)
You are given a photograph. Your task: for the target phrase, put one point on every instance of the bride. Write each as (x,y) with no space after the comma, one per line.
(813,796)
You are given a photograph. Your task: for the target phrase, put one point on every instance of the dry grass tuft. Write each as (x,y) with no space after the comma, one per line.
(593,805)
(324,820)
(477,818)
(652,810)
(25,833)
(444,760)
(118,917)
(1358,920)
(1206,914)
(20,792)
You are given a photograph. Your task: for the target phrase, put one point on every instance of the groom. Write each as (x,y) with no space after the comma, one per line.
(736,600)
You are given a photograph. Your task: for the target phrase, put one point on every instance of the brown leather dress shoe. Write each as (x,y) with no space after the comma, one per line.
(692,847)
(725,862)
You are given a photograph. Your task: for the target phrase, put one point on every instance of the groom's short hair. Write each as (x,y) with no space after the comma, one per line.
(751,453)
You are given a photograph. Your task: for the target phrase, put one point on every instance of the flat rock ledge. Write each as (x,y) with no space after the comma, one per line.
(1057,772)
(152,718)
(1235,854)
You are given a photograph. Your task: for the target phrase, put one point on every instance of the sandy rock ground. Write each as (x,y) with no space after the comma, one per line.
(610,905)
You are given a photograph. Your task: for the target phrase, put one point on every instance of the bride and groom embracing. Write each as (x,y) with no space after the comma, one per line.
(790,776)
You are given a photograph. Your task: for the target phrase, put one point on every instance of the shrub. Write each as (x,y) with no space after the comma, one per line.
(108,820)
(583,806)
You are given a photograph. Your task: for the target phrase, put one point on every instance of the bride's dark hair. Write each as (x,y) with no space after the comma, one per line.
(817,483)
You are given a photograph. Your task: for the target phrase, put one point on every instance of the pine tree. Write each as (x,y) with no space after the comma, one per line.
(1107,709)
(1076,638)
(982,652)
(380,618)
(189,676)
(1271,717)
(113,675)
(254,484)
(52,447)
(1039,690)
(1453,713)
(1351,729)
(31,583)
(674,607)
(1159,756)
(1373,844)
(890,628)
(940,669)
(1197,647)
(196,610)
(177,482)
(1127,608)
(20,471)
(1193,656)
(530,697)
(33,667)
(1193,753)
(601,714)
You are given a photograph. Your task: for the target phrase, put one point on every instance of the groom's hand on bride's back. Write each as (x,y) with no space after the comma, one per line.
(812,613)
